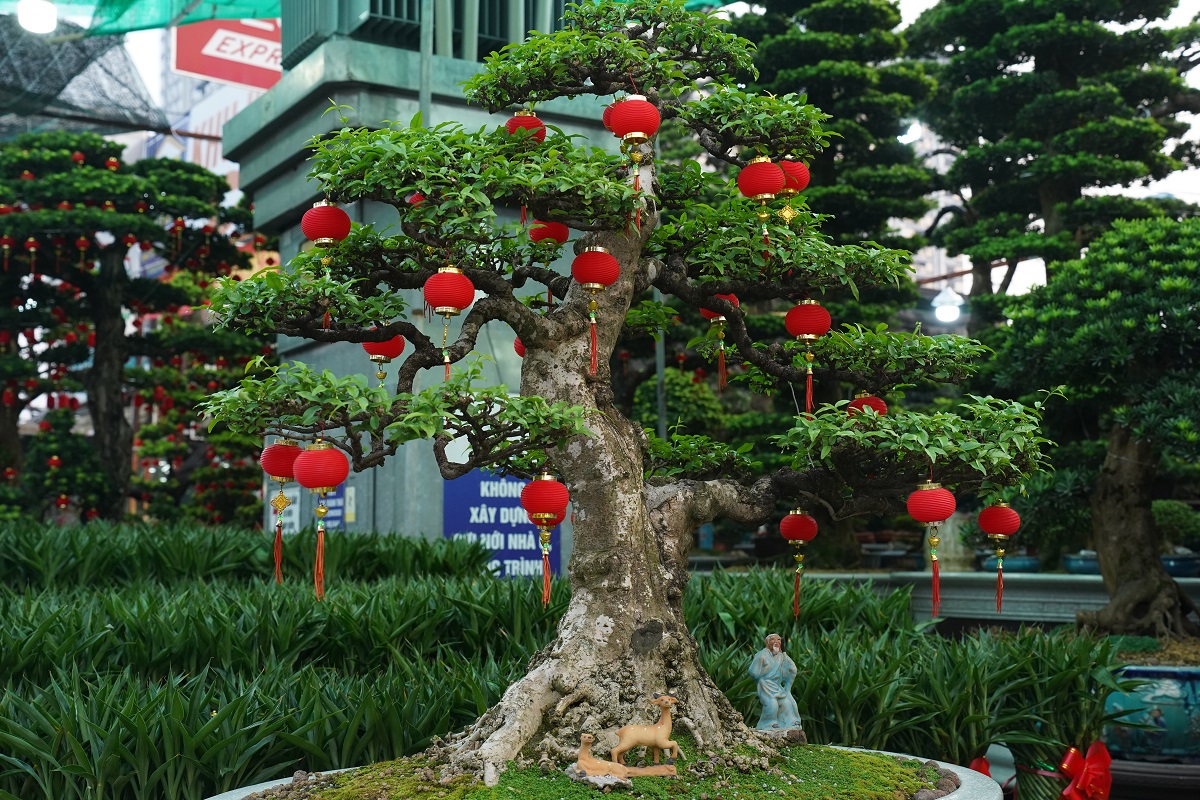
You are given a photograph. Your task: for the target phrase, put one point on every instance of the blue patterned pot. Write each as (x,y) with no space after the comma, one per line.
(1169,702)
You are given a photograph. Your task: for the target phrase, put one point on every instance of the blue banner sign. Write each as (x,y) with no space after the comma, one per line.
(481,507)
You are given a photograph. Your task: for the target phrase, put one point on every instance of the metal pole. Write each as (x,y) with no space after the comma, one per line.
(425,87)
(660,367)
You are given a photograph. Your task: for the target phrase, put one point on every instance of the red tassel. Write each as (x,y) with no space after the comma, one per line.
(808,398)
(721,382)
(937,592)
(279,552)
(545,579)
(981,765)
(593,364)
(766,245)
(447,367)
(549,299)
(325,322)
(999,585)
(524,216)
(796,598)
(319,566)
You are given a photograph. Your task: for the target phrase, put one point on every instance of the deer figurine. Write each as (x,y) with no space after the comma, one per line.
(588,765)
(656,736)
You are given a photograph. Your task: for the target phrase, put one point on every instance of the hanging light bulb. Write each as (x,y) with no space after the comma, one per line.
(37,16)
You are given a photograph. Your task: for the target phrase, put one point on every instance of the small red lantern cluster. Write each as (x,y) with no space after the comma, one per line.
(932,505)
(278,461)
(595,269)
(999,522)
(545,501)
(799,528)
(320,469)
(448,292)
(383,353)
(717,322)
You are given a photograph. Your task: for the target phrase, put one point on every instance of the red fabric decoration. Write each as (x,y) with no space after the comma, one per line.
(999,522)
(320,467)
(633,119)
(707,314)
(761,180)
(981,765)
(112,163)
(519,346)
(798,528)
(1091,775)
(325,223)
(931,504)
(808,320)
(795,176)
(385,351)
(549,230)
(595,268)
(53,462)
(528,120)
(865,401)
(449,292)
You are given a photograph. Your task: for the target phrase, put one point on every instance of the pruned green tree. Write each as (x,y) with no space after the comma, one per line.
(80,230)
(1045,104)
(846,58)
(1121,327)
(623,634)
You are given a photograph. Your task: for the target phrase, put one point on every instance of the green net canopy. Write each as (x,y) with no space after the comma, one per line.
(122,16)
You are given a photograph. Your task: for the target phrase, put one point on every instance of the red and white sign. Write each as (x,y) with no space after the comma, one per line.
(245,52)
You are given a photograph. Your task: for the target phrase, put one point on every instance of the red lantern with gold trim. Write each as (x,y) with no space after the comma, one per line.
(799,528)
(863,401)
(999,521)
(761,180)
(540,231)
(808,321)
(545,501)
(383,353)
(633,119)
(932,505)
(320,469)
(527,120)
(278,461)
(325,224)
(796,178)
(448,292)
(595,269)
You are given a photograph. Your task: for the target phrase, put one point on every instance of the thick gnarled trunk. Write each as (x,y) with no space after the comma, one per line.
(113,435)
(1143,598)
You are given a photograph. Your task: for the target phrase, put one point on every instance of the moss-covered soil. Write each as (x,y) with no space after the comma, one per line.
(809,772)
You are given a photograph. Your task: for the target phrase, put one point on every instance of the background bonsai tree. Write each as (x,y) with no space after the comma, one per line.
(623,634)
(96,255)
(1121,327)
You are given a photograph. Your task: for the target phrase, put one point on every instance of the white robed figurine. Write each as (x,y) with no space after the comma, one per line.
(774,671)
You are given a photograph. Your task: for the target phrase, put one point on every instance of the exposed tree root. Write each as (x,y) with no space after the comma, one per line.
(1148,607)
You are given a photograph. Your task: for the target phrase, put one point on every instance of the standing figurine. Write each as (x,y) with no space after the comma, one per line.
(774,671)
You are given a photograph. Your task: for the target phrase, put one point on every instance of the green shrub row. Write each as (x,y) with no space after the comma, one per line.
(122,736)
(157,630)
(99,554)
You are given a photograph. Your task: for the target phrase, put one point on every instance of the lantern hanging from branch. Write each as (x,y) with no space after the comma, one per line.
(525,119)
(865,400)
(595,269)
(999,521)
(796,178)
(556,231)
(932,505)
(519,347)
(447,293)
(760,181)
(383,353)
(717,322)
(320,469)
(325,224)
(799,529)
(634,120)
(545,501)
(808,321)
(277,461)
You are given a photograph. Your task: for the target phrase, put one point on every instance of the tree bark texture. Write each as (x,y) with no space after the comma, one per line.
(10,437)
(1143,598)
(104,382)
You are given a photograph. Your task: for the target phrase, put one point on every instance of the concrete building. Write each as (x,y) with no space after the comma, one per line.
(363,55)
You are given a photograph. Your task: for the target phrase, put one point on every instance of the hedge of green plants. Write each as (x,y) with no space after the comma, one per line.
(182,688)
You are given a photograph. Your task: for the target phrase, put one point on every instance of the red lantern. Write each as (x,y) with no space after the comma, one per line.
(78,158)
(325,223)
(278,461)
(320,469)
(761,180)
(795,176)
(595,269)
(541,231)
(54,462)
(383,352)
(606,117)
(527,120)
(999,522)
(634,119)
(10,474)
(808,321)
(864,401)
(714,315)
(798,528)
(545,501)
(449,292)
(62,501)
(519,347)
(932,505)
(112,163)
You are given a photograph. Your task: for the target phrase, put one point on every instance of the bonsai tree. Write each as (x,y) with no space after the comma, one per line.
(90,245)
(637,499)
(1120,328)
